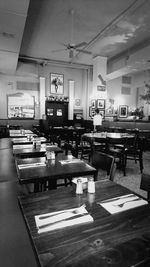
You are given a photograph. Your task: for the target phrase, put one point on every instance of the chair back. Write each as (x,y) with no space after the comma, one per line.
(103,161)
(145,183)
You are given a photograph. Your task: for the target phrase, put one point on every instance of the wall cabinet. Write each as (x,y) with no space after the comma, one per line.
(56,113)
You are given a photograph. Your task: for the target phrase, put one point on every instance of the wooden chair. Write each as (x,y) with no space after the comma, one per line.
(134,150)
(116,148)
(145,184)
(103,162)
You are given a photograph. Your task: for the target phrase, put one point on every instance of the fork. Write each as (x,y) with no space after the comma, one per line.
(122,204)
(76,211)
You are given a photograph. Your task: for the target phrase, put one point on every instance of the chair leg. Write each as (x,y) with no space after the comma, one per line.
(141,162)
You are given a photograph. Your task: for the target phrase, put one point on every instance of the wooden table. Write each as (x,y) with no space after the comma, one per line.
(121,239)
(25,151)
(21,133)
(25,140)
(52,171)
(104,135)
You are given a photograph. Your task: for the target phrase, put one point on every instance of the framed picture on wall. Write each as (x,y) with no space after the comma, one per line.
(59,112)
(50,111)
(102,112)
(93,103)
(91,112)
(123,111)
(101,103)
(56,83)
(77,102)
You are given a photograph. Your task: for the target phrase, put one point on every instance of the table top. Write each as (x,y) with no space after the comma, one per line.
(105,134)
(21,133)
(61,167)
(29,149)
(25,140)
(121,239)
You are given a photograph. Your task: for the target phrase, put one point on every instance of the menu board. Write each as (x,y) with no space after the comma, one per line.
(21,106)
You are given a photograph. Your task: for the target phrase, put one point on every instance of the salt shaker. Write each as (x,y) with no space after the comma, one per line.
(91,185)
(79,189)
(52,155)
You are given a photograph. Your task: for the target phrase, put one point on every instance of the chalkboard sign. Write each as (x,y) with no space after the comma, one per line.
(21,106)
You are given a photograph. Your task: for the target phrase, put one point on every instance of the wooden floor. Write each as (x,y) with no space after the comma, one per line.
(15,245)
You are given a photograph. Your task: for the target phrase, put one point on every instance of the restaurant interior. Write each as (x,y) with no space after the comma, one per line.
(71,195)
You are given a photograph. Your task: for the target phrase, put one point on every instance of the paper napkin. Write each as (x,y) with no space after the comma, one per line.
(122,203)
(31,165)
(68,161)
(60,219)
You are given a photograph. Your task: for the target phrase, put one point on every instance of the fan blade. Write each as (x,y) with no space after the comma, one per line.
(58,50)
(70,53)
(80,44)
(84,51)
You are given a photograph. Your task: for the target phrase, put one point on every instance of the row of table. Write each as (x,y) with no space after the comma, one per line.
(107,228)
(33,167)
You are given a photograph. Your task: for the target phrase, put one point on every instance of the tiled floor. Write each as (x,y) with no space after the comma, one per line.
(15,246)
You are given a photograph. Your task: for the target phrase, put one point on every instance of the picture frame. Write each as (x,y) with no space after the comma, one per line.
(91,112)
(56,83)
(20,106)
(77,102)
(50,111)
(93,103)
(59,112)
(123,111)
(109,111)
(100,103)
(102,112)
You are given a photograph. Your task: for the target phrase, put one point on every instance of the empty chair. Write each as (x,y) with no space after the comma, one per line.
(103,162)
(134,150)
(145,184)
(116,148)
(84,148)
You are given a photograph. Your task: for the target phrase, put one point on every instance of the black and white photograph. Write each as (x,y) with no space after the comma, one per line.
(100,103)
(75,133)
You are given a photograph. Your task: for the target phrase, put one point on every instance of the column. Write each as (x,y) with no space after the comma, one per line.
(42,97)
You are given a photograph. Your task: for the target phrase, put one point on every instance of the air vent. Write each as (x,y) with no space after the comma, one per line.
(126,79)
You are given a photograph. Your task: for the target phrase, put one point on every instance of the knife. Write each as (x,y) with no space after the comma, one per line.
(63,220)
(117,198)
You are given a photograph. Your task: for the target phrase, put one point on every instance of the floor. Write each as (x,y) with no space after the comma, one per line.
(15,246)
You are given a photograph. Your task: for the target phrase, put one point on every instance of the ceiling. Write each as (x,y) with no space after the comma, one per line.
(33,31)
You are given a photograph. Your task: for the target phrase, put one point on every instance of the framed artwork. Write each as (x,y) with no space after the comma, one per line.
(91,112)
(93,103)
(20,106)
(123,111)
(101,103)
(56,83)
(109,111)
(102,112)
(59,112)
(50,111)
(77,102)
(101,88)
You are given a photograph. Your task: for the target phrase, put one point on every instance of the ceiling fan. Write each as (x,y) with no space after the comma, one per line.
(72,47)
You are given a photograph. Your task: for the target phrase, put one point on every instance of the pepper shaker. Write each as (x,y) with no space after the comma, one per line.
(79,189)
(91,185)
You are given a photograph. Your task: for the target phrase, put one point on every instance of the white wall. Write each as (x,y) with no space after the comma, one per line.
(114,92)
